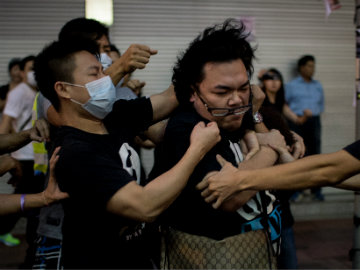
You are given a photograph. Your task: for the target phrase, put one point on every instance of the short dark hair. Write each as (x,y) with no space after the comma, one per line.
(83,28)
(304,59)
(56,63)
(25,60)
(219,43)
(14,62)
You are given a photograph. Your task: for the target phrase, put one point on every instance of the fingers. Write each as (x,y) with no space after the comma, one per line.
(277,148)
(210,198)
(153,52)
(136,57)
(296,151)
(201,124)
(217,204)
(204,183)
(54,158)
(135,85)
(251,154)
(221,160)
(41,131)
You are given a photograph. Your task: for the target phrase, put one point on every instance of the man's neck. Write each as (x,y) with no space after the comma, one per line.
(13,84)
(32,87)
(72,119)
(271,96)
(306,79)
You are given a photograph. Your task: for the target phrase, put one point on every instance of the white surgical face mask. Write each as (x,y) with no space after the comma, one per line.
(105,60)
(102,97)
(31,78)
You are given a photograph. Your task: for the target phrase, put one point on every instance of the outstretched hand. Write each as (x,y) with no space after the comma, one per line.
(219,186)
(52,193)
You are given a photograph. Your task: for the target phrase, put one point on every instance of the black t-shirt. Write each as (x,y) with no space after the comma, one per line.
(4,89)
(190,213)
(91,171)
(354,149)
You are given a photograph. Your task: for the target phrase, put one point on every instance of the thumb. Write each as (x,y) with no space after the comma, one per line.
(153,52)
(221,160)
(37,138)
(277,148)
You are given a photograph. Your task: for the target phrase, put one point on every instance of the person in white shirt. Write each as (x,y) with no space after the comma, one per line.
(16,118)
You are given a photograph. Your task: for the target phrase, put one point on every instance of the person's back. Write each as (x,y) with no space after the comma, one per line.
(17,117)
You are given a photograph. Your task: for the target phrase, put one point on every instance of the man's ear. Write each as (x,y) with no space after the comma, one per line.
(192,96)
(61,90)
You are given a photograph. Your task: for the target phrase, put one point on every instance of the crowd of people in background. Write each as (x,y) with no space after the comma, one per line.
(216,197)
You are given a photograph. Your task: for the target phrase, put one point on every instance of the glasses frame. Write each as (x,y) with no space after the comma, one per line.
(229,111)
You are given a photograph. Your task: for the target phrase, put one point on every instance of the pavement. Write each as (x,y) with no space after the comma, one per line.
(321,244)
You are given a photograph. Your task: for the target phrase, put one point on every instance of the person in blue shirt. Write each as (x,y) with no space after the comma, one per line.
(305,97)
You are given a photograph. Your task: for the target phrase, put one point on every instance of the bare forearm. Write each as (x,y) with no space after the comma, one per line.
(164,189)
(261,128)
(10,203)
(265,157)
(312,171)
(289,114)
(237,200)
(116,72)
(146,203)
(14,141)
(163,104)
(156,132)
(353,183)
(7,163)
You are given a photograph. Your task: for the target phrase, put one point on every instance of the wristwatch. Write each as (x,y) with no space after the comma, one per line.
(257,118)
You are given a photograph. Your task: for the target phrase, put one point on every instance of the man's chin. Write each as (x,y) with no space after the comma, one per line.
(231,125)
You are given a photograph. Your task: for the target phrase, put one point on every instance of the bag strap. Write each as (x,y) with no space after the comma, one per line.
(25,123)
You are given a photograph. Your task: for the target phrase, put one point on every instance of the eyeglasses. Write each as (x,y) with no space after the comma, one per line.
(218,112)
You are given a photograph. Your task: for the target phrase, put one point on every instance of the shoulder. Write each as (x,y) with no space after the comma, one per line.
(20,90)
(317,83)
(184,117)
(294,81)
(132,104)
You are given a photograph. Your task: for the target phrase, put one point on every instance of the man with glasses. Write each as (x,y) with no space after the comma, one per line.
(212,83)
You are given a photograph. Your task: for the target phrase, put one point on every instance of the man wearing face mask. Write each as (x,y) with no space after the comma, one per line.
(17,117)
(104,196)
(49,231)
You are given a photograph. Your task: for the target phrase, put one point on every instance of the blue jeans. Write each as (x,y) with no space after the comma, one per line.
(287,258)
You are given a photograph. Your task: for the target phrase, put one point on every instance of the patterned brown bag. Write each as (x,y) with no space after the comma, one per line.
(249,250)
